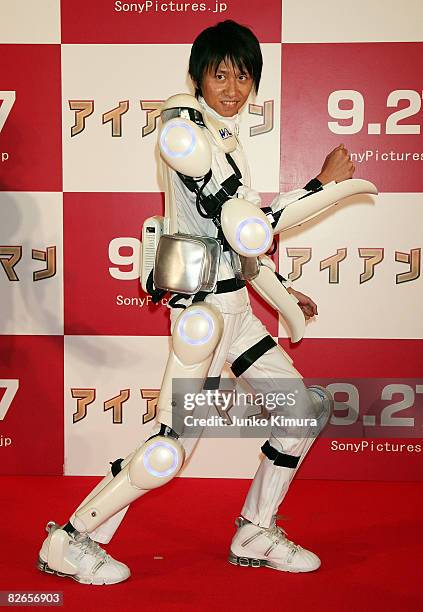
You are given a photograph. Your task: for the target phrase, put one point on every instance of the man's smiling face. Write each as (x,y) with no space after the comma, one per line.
(226,89)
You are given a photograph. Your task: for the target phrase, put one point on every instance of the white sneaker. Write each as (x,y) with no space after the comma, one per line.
(78,557)
(254,546)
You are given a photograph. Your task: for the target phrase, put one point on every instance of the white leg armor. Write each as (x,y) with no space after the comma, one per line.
(195,336)
(196,333)
(244,335)
(273,477)
(153,465)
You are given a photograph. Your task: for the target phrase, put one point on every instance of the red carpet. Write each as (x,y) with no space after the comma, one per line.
(368,535)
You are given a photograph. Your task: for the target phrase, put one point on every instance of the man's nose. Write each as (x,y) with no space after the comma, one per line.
(231,86)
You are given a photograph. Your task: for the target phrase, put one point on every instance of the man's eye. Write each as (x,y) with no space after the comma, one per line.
(220,77)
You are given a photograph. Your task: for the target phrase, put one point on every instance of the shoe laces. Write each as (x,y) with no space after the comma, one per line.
(87,545)
(278,534)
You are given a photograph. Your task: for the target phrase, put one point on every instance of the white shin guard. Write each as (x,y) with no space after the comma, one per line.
(156,462)
(271,482)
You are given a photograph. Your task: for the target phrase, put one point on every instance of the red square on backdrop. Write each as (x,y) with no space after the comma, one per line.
(30,118)
(31,404)
(381,85)
(103,295)
(329,360)
(164,22)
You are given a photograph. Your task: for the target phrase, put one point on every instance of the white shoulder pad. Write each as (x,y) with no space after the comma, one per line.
(222,136)
(183,144)
(185,148)
(182,100)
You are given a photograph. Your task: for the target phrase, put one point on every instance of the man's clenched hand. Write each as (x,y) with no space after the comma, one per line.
(337,166)
(306,304)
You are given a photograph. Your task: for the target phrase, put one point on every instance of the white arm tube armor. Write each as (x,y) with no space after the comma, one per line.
(250,231)
(308,207)
(274,293)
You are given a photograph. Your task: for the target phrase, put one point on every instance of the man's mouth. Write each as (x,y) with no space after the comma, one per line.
(229,103)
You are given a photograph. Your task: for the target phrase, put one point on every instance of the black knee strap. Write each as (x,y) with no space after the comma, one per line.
(166,432)
(244,361)
(212,383)
(279,459)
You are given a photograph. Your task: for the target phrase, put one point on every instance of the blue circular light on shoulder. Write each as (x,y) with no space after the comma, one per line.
(170,125)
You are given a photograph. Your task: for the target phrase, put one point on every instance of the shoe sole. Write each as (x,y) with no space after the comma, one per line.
(250,562)
(43,567)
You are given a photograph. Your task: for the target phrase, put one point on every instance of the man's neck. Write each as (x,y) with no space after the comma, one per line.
(211,111)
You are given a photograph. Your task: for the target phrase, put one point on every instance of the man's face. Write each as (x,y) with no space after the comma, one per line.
(227,89)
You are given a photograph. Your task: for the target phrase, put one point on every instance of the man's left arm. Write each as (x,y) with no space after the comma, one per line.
(336,167)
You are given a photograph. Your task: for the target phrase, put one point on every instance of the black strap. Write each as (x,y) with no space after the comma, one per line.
(279,459)
(223,286)
(273,248)
(235,168)
(200,296)
(211,382)
(280,277)
(166,432)
(312,191)
(116,466)
(214,202)
(229,284)
(244,361)
(210,206)
(156,294)
(69,528)
(173,302)
(185,113)
(273,216)
(314,185)
(268,211)
(193,184)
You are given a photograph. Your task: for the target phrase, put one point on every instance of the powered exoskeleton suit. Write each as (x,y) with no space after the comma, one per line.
(213,238)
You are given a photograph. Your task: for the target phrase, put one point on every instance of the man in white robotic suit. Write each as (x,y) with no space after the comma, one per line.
(208,194)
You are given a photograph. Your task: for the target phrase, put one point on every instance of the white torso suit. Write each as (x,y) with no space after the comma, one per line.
(244,343)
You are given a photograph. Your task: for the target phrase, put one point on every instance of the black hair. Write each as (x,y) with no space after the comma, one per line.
(226,41)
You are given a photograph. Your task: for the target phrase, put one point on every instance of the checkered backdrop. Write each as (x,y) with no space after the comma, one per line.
(82,348)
